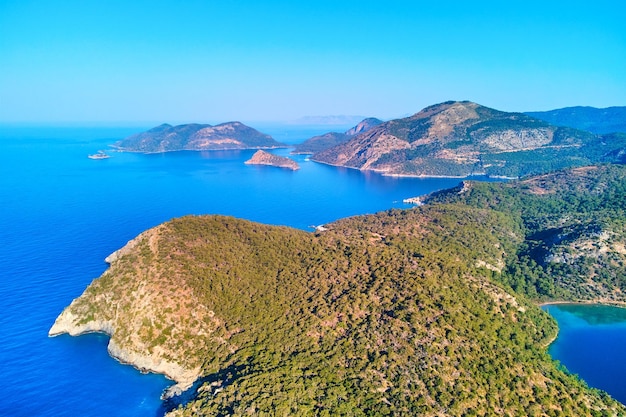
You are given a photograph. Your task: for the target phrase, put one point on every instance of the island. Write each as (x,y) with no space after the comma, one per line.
(261,157)
(432,310)
(198,137)
(462,138)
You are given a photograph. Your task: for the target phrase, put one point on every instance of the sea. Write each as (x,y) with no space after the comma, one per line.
(62,213)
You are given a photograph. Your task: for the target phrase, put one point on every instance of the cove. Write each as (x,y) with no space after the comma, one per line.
(591,344)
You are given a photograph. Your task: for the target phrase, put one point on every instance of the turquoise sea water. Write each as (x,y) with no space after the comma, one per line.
(61,214)
(591,344)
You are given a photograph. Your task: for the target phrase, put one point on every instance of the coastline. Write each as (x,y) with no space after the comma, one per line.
(120,149)
(181,377)
(618,304)
(621,304)
(387,174)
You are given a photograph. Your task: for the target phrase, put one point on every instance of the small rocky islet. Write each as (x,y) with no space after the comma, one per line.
(262,157)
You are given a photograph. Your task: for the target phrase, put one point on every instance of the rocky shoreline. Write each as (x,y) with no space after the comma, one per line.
(98,313)
(66,323)
(261,157)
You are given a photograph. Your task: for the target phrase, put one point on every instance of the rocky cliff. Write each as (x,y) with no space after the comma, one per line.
(261,157)
(198,137)
(464,138)
(150,320)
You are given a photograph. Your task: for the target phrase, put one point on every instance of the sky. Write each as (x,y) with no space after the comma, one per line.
(140,61)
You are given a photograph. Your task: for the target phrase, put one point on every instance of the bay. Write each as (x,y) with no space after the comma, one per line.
(61,214)
(591,344)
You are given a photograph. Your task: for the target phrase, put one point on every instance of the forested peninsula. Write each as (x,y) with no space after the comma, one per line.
(425,311)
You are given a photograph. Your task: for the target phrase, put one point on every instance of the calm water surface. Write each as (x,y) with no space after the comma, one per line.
(591,343)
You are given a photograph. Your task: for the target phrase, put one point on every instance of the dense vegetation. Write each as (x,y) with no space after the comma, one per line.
(574,224)
(406,312)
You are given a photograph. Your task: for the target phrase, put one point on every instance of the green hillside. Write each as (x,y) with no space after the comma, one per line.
(405,312)
(574,224)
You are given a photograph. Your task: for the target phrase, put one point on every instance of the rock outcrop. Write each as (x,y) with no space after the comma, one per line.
(140,311)
(265,158)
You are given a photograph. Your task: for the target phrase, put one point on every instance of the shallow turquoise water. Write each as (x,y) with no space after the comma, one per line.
(591,343)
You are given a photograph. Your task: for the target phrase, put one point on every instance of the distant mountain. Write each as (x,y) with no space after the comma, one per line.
(341,119)
(608,120)
(328,140)
(363,126)
(465,138)
(198,137)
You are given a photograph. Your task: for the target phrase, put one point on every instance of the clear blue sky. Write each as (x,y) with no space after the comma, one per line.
(215,61)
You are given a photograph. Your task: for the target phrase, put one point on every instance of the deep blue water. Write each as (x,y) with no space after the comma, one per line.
(591,344)
(61,214)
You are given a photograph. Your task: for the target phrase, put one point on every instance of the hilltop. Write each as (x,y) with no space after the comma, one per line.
(197,137)
(427,311)
(330,139)
(592,119)
(463,138)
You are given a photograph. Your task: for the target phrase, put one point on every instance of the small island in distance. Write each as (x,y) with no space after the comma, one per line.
(198,137)
(261,157)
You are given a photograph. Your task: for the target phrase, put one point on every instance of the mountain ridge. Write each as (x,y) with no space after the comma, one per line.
(459,139)
(593,119)
(330,139)
(197,137)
